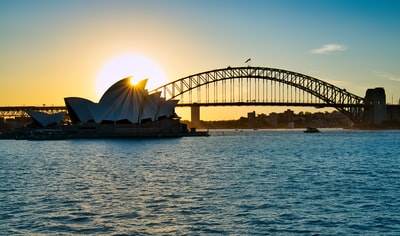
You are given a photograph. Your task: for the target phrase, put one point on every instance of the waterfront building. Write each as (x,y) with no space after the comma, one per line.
(122,103)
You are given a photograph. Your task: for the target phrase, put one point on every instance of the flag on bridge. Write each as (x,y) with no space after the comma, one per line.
(247,60)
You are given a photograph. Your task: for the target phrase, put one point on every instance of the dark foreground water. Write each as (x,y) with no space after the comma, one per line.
(242,183)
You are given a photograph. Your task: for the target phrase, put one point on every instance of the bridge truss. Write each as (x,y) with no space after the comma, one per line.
(261,86)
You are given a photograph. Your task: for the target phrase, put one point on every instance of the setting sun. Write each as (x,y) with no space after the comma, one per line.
(132,81)
(137,67)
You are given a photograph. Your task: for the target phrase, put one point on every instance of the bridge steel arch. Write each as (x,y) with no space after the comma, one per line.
(254,86)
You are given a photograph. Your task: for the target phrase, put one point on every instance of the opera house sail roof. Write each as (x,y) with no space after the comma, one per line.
(45,119)
(121,103)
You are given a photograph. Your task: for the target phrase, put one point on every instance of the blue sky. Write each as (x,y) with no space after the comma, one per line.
(45,44)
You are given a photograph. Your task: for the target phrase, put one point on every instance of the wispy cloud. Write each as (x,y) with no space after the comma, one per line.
(328,48)
(387,76)
(335,82)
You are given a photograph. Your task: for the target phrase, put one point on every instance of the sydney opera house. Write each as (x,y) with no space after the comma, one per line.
(124,111)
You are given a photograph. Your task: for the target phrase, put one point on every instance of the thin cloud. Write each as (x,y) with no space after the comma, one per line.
(335,82)
(328,48)
(387,76)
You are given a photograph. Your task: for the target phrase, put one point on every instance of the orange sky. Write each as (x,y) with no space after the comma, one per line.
(51,50)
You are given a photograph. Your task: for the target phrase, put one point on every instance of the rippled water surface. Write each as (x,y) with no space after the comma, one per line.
(250,182)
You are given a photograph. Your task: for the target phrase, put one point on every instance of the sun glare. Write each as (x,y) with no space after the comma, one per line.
(132,81)
(137,67)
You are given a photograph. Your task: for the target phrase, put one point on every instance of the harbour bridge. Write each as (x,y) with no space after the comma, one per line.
(246,86)
(260,86)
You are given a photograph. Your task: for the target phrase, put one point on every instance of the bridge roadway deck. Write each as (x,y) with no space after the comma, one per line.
(11,111)
(23,108)
(317,105)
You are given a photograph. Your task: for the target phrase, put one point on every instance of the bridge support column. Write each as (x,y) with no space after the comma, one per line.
(195,114)
(375,110)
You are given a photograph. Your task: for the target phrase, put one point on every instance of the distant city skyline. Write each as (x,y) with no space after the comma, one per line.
(56,49)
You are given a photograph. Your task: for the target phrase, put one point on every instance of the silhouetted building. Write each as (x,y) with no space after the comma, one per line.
(251,115)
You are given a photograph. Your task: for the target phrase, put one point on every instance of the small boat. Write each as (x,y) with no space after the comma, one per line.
(194,132)
(311,130)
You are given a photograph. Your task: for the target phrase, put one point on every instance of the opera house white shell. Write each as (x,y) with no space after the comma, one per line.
(121,103)
(45,119)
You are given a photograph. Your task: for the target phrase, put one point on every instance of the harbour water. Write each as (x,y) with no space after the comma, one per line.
(262,182)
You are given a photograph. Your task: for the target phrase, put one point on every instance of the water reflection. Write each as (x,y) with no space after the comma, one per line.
(280,182)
